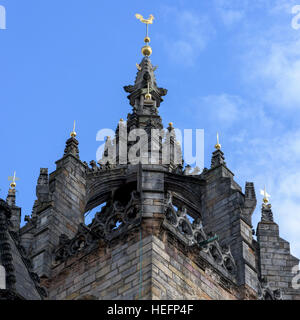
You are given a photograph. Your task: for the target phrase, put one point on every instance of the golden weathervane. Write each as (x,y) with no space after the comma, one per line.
(146,50)
(13,180)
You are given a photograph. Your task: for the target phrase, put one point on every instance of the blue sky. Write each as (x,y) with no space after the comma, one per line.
(229,66)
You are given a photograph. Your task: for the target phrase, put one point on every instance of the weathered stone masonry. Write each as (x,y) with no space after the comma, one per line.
(160,233)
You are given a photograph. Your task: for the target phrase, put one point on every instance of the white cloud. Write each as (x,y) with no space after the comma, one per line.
(262,151)
(231,12)
(273,162)
(270,151)
(222,109)
(231,17)
(190,35)
(275,67)
(260,125)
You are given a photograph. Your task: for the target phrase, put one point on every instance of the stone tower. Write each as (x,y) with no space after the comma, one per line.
(160,232)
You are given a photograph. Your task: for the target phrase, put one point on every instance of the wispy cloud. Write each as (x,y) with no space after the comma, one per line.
(191,33)
(231,12)
(260,124)
(274,68)
(272,162)
(224,109)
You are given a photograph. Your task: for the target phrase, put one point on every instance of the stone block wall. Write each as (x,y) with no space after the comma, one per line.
(115,273)
(177,276)
(106,273)
(58,212)
(2,277)
(275,259)
(152,187)
(223,213)
(67,185)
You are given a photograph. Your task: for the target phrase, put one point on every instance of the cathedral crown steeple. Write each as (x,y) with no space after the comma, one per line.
(145,87)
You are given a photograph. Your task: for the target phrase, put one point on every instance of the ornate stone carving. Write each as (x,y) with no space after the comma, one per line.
(265,293)
(6,253)
(194,235)
(114,220)
(72,147)
(217,158)
(129,88)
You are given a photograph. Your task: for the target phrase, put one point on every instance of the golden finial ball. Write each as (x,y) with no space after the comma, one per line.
(73,134)
(148,96)
(13,185)
(121,120)
(147,51)
(265,200)
(147,39)
(218,146)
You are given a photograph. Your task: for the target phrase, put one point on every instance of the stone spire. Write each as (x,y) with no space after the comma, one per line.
(145,96)
(266,212)
(72,144)
(11,197)
(145,76)
(173,149)
(72,147)
(15,210)
(42,188)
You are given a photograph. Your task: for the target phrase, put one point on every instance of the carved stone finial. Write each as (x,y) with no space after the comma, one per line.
(11,197)
(250,199)
(72,147)
(217,158)
(266,213)
(42,188)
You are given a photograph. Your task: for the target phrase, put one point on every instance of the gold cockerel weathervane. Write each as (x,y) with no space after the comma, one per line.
(146,50)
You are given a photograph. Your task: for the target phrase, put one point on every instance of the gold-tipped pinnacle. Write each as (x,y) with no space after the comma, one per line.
(266,195)
(171,124)
(73,134)
(146,50)
(218,146)
(13,180)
